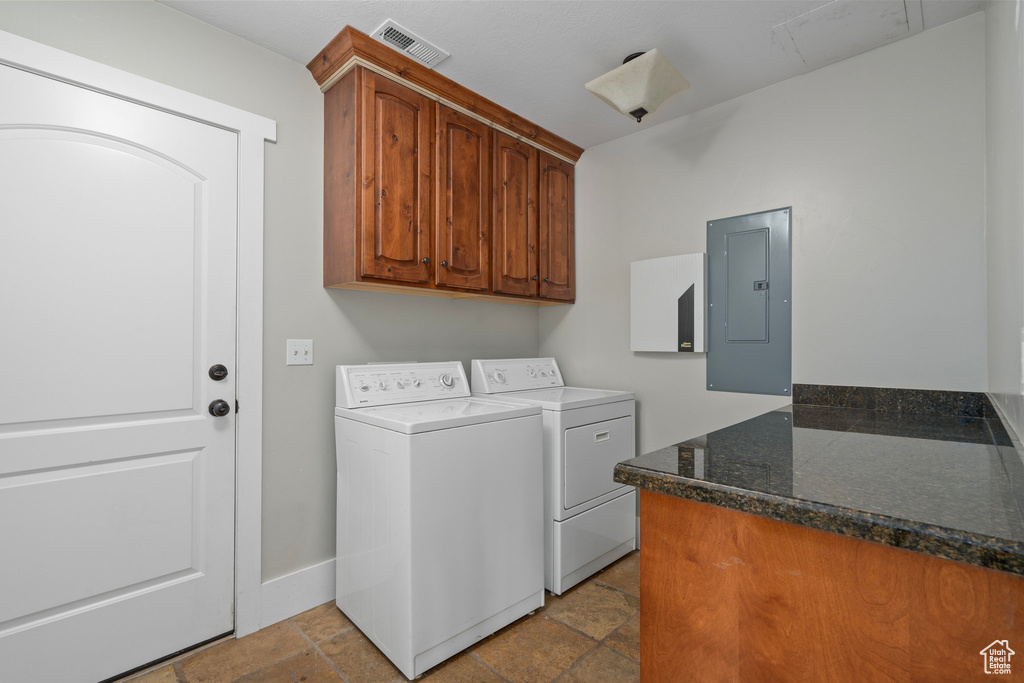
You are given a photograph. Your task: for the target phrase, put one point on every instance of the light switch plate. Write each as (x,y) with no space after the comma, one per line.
(299,352)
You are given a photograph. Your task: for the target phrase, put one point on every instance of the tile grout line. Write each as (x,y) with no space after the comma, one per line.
(275,662)
(174,661)
(481,660)
(621,590)
(579,659)
(605,639)
(318,651)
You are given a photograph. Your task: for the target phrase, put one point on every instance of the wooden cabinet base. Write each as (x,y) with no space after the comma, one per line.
(444,294)
(728,596)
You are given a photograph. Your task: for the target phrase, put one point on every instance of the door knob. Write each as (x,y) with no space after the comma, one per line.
(218,372)
(219,408)
(426,260)
(547,280)
(444,264)
(534,278)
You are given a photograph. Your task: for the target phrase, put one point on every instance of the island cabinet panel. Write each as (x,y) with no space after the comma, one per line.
(514,226)
(728,596)
(557,229)
(396,149)
(463,182)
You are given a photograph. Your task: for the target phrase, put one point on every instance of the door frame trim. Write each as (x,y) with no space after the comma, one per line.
(252,131)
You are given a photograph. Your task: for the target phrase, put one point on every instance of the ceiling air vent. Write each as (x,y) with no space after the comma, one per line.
(404,40)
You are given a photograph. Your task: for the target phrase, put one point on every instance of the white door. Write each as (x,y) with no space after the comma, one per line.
(117,294)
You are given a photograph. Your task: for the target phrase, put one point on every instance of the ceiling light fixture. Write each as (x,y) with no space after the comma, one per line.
(640,85)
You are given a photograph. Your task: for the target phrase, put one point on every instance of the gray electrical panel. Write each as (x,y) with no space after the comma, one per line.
(750,303)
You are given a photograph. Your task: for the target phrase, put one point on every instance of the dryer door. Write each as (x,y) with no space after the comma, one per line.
(591,453)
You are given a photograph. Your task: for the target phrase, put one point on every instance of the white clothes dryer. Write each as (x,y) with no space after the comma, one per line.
(440,535)
(589,519)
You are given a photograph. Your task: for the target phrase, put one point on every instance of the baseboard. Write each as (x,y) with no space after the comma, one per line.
(1010,409)
(297,592)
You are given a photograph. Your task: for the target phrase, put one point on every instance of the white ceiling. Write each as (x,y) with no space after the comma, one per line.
(533,57)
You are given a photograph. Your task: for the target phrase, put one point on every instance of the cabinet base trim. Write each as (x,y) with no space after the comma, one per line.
(439,293)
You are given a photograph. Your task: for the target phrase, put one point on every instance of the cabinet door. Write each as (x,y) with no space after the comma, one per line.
(463,193)
(396,152)
(557,232)
(514,228)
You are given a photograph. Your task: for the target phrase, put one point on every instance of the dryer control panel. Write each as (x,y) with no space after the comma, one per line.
(360,386)
(515,374)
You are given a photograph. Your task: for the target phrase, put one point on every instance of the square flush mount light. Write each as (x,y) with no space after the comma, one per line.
(640,85)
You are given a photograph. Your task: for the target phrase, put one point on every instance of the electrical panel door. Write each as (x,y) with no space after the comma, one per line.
(749,303)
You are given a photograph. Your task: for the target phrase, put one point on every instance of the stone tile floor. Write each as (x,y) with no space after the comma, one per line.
(589,634)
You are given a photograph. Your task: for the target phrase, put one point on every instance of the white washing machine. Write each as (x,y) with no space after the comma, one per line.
(440,514)
(589,519)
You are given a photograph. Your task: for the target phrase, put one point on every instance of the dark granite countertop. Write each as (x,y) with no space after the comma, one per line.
(946,485)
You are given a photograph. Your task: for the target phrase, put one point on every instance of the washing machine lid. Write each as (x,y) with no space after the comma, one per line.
(567,398)
(429,416)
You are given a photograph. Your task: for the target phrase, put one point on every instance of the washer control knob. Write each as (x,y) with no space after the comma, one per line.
(382,386)
(364,387)
(416,383)
(531,372)
(400,384)
(499,376)
(543,373)
(447,380)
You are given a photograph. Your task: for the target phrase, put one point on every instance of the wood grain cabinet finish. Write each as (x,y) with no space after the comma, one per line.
(463,182)
(396,137)
(730,596)
(425,198)
(557,229)
(514,225)
(377,186)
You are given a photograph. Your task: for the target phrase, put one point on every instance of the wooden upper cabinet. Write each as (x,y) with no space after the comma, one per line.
(557,229)
(514,226)
(431,189)
(462,180)
(396,138)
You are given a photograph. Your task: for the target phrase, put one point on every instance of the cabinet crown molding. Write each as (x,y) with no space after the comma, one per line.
(351,47)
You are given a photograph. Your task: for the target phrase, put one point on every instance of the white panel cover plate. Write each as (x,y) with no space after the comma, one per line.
(515,374)
(394,383)
(568,398)
(591,453)
(655,286)
(585,540)
(413,418)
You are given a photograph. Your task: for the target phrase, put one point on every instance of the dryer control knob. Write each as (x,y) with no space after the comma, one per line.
(399,384)
(364,387)
(382,386)
(531,372)
(499,376)
(447,380)
(416,383)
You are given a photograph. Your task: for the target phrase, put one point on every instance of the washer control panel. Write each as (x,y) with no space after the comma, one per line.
(360,386)
(515,374)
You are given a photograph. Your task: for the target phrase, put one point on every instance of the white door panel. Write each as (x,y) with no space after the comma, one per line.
(117,293)
(139,262)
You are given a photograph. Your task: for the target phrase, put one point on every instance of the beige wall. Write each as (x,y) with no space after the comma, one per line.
(882,158)
(156,42)
(1005,215)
